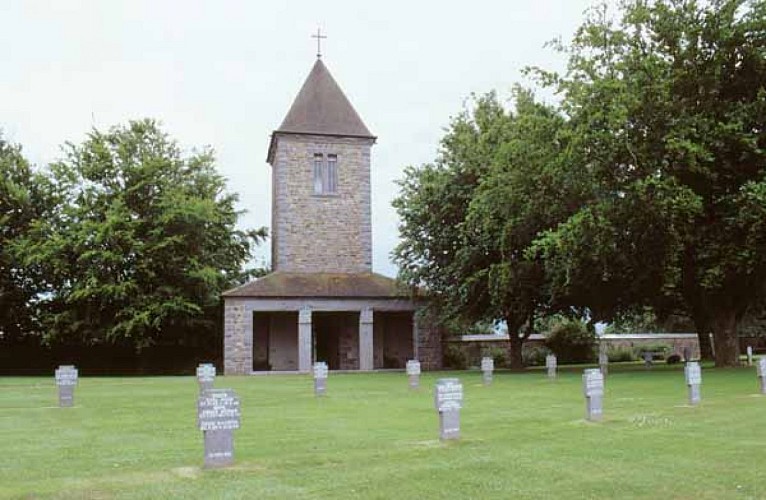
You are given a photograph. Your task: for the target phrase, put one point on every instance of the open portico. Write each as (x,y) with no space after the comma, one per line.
(288,321)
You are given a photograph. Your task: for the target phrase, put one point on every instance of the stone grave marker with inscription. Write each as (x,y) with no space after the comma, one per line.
(693,374)
(749,355)
(550,364)
(218,414)
(66,380)
(320,378)
(448,399)
(413,373)
(760,367)
(487,367)
(205,376)
(593,389)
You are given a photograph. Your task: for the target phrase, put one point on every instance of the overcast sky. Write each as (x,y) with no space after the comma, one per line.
(224,73)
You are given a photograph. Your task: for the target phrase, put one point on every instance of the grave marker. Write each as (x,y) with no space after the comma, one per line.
(749,355)
(66,380)
(413,373)
(448,399)
(320,378)
(551,363)
(218,414)
(593,389)
(205,376)
(693,374)
(487,367)
(761,371)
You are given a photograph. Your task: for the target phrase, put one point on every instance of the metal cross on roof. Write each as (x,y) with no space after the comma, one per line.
(319,36)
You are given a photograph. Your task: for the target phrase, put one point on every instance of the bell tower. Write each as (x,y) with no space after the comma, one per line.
(320,156)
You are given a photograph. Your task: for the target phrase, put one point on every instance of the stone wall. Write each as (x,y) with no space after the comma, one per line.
(238,339)
(429,335)
(476,346)
(677,343)
(321,233)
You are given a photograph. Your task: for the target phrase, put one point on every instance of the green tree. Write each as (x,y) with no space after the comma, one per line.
(668,104)
(468,219)
(144,242)
(26,196)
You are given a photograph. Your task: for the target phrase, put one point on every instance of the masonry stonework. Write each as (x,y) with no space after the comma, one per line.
(238,339)
(321,254)
(321,233)
(428,337)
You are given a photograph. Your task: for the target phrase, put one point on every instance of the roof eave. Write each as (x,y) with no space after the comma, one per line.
(273,141)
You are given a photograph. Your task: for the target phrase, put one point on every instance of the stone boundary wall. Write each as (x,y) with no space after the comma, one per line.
(476,345)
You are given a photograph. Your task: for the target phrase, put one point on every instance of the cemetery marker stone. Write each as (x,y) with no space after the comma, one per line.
(693,375)
(550,364)
(448,399)
(218,414)
(761,370)
(749,355)
(66,380)
(413,373)
(593,389)
(487,367)
(205,376)
(320,378)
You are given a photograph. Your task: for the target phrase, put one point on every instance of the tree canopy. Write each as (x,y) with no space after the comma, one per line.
(645,186)
(140,244)
(26,196)
(469,218)
(669,103)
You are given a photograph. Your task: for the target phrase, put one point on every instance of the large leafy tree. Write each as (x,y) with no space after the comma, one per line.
(669,105)
(468,219)
(25,197)
(433,206)
(144,242)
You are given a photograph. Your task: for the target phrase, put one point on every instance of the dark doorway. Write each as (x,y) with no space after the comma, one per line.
(336,339)
(261,334)
(392,339)
(275,341)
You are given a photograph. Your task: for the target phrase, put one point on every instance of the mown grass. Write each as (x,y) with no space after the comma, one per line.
(371,437)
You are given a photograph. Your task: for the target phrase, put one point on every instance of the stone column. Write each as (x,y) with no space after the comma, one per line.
(238,338)
(366,358)
(304,340)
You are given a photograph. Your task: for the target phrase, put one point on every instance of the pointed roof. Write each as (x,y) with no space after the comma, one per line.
(321,108)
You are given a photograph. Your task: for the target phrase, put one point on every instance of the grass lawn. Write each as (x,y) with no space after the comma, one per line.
(371,437)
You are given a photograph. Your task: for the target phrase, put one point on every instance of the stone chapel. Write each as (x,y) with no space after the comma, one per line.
(322,302)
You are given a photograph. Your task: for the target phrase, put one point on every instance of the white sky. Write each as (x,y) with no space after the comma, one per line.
(224,73)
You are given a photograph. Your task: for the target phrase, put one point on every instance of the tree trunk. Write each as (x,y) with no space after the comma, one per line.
(724,325)
(703,337)
(517,342)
